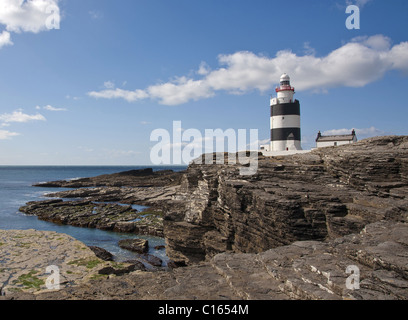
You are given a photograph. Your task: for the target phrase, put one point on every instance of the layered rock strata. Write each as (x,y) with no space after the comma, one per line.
(104,216)
(325,194)
(154,197)
(133,178)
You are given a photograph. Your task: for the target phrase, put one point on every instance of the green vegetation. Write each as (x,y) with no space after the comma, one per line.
(89,263)
(117,265)
(98,276)
(150,211)
(29,280)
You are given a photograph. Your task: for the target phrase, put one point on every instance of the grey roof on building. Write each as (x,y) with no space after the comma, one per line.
(346,137)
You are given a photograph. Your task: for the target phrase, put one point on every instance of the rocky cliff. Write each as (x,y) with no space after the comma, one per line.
(303,227)
(322,195)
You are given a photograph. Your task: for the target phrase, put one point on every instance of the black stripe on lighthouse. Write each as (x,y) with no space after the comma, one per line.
(286,109)
(280,134)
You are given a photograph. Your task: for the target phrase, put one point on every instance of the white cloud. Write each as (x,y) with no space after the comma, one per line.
(19,116)
(361,133)
(129,96)
(73,98)
(358,3)
(398,57)
(5,39)
(204,69)
(51,108)
(180,91)
(4,134)
(377,42)
(109,84)
(355,64)
(27,16)
(309,51)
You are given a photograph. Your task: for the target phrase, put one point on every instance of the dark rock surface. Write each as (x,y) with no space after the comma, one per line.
(154,197)
(152,260)
(101,253)
(134,178)
(104,216)
(135,245)
(325,194)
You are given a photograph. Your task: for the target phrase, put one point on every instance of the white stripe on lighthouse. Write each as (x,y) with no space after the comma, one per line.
(288,121)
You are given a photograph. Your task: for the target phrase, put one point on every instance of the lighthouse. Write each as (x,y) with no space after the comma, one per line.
(285,118)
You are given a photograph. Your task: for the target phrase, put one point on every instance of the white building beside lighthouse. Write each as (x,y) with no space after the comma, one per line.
(335,140)
(285,121)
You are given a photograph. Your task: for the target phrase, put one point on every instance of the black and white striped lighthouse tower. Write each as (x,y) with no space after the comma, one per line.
(285,118)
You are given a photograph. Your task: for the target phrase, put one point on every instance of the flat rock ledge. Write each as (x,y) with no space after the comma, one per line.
(105,202)
(376,259)
(25,256)
(103,216)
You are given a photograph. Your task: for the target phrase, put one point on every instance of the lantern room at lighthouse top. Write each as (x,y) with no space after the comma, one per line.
(285,92)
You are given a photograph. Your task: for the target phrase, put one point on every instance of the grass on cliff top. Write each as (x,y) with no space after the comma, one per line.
(89,263)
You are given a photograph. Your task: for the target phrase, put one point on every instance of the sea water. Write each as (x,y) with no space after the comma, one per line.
(16,189)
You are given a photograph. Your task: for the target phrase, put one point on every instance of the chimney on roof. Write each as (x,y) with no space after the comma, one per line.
(318,135)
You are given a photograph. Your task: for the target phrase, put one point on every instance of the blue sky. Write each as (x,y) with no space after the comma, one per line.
(92,91)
